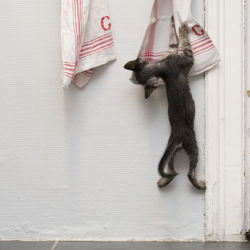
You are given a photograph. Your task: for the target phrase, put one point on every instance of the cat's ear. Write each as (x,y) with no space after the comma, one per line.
(132,65)
(148,91)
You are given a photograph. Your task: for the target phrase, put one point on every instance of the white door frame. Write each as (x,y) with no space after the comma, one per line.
(247,118)
(225,123)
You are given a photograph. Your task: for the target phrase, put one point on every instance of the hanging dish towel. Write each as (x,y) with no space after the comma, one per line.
(87,40)
(158,35)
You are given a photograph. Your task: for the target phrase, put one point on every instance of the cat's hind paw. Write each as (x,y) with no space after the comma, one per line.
(202,185)
(198,184)
(165,181)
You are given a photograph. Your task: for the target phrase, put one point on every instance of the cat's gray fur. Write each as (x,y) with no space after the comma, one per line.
(174,70)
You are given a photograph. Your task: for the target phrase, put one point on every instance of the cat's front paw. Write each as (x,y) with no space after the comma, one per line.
(184,30)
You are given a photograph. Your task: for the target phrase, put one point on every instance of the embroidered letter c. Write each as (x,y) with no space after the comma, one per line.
(198,30)
(105,25)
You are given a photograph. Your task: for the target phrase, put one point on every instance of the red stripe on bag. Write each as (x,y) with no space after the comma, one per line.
(205,51)
(69,65)
(202,45)
(202,50)
(72,63)
(203,37)
(87,74)
(68,75)
(75,79)
(151,33)
(181,48)
(77,6)
(202,40)
(96,39)
(69,69)
(90,71)
(98,50)
(97,45)
(154,53)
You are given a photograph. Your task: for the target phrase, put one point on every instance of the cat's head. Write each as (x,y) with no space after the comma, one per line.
(144,75)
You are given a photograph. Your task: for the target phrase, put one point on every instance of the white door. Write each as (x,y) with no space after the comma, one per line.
(247,138)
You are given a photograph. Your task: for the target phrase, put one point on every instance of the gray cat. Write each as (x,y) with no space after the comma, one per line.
(174,70)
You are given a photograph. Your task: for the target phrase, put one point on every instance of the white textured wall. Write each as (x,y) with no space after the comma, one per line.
(82,164)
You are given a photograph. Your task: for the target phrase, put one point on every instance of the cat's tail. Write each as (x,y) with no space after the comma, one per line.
(166,165)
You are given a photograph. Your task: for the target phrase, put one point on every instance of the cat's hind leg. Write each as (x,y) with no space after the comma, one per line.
(190,146)
(166,165)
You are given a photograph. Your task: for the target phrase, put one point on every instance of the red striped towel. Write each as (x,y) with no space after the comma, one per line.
(87,40)
(158,35)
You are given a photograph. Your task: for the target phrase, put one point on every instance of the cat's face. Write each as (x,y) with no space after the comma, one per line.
(144,75)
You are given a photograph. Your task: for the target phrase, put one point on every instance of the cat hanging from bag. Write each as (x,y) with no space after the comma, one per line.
(174,71)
